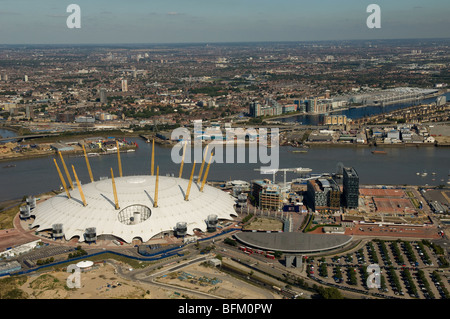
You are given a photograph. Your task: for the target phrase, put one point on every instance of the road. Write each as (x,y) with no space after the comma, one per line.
(141,276)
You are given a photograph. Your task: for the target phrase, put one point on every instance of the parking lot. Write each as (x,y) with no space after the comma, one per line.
(409,269)
(46,251)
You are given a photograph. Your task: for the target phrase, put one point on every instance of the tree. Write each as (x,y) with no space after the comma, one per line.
(230,242)
(330,293)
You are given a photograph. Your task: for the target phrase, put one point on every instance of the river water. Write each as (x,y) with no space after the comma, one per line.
(357,112)
(398,166)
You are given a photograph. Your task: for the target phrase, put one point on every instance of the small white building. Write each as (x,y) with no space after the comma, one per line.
(19,250)
(85,265)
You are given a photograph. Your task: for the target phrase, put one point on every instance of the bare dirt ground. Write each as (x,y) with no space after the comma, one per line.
(265,224)
(94,285)
(102,282)
(199,278)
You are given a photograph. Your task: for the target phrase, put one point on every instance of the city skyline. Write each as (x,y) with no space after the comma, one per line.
(142,170)
(200,21)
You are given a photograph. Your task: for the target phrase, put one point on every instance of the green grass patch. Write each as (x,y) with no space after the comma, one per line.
(7,217)
(9,287)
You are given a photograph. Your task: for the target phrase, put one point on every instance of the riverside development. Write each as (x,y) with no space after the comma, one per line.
(94,206)
(192,237)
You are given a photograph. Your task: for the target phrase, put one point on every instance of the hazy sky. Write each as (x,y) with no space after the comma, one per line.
(175,21)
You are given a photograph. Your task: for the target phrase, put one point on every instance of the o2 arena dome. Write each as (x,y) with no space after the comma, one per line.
(132,207)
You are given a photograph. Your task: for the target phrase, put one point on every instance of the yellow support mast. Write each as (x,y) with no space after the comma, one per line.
(66,170)
(203,164)
(79,187)
(62,179)
(118,159)
(153,157)
(116,200)
(155,204)
(87,164)
(206,173)
(190,183)
(182,160)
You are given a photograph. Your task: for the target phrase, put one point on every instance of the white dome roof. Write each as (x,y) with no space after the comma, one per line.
(138,192)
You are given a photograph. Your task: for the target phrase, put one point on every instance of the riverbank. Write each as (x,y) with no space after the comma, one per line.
(395,145)
(41,154)
(25,156)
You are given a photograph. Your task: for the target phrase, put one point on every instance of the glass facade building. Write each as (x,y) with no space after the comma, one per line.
(351,187)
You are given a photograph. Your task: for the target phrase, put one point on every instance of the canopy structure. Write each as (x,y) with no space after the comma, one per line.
(136,216)
(85,264)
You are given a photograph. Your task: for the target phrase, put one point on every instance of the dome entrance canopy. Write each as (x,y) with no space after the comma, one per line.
(134,214)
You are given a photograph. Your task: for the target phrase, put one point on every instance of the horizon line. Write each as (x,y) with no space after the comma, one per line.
(218,42)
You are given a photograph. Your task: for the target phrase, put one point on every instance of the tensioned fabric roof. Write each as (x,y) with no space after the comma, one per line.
(100,211)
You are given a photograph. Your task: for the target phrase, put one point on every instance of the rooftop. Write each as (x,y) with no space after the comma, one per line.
(293,242)
(136,217)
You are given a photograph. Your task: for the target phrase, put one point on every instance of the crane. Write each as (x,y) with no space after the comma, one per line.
(298,170)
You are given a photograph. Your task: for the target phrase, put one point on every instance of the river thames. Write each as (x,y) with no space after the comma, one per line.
(399,166)
(356,113)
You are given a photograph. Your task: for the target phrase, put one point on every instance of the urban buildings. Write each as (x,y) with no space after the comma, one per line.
(270,108)
(29,111)
(254,109)
(124,85)
(266,194)
(350,187)
(323,194)
(103,98)
(335,120)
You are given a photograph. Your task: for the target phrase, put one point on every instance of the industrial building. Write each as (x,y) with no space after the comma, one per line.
(388,96)
(320,137)
(62,147)
(9,267)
